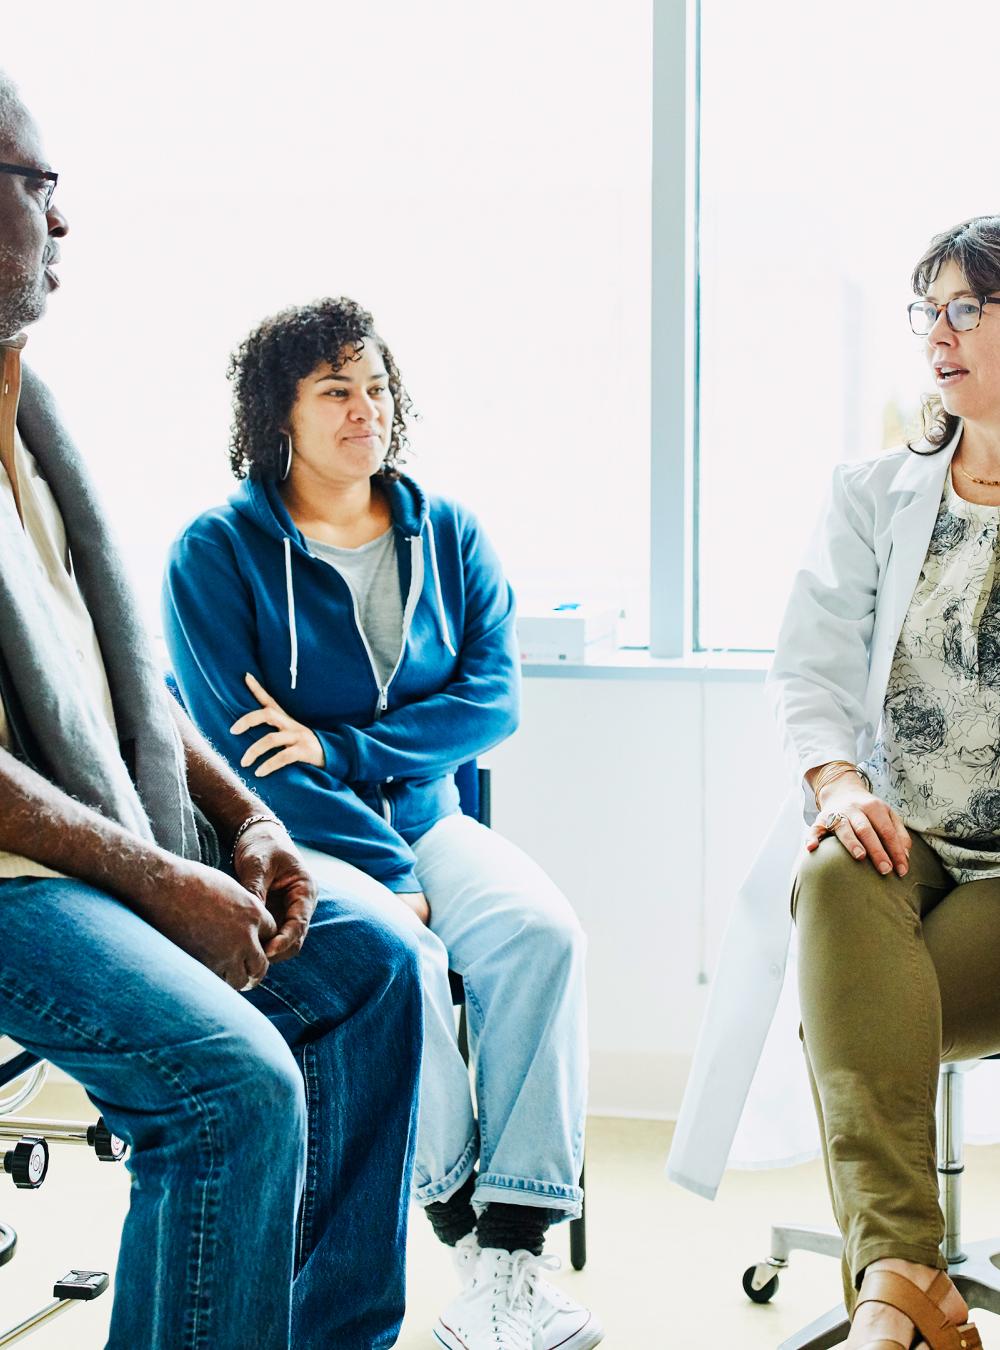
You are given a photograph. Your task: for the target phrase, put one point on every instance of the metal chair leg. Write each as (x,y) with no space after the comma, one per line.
(829,1330)
(950,1158)
(79,1286)
(578,1229)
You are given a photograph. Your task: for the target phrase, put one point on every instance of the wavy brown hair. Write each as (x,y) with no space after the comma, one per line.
(974,246)
(265,370)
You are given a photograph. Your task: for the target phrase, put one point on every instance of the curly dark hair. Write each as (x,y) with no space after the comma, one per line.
(266,367)
(975,246)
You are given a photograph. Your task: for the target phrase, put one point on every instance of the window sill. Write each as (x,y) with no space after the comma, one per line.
(637,664)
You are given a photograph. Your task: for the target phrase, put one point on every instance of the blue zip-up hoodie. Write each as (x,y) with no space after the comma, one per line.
(243,593)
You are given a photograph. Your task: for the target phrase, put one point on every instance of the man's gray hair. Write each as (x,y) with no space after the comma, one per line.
(10,103)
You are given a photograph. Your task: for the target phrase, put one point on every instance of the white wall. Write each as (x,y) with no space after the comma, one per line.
(645,799)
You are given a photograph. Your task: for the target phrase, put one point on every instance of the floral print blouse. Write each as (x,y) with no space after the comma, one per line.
(937,756)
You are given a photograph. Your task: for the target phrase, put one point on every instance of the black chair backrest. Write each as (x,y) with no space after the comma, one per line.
(467,782)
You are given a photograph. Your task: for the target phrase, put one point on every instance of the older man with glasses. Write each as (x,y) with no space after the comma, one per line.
(258,1049)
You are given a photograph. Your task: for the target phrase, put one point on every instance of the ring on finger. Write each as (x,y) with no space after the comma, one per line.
(832,819)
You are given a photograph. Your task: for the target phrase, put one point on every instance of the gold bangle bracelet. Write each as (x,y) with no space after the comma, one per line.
(831,772)
(835,769)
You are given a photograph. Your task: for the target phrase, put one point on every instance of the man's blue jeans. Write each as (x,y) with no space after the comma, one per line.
(236,1106)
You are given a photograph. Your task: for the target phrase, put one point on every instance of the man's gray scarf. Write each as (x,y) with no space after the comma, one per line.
(144,787)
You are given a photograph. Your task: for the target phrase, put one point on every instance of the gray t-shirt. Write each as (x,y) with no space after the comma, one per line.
(373,578)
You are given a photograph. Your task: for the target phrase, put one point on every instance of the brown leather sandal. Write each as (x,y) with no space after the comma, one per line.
(886,1286)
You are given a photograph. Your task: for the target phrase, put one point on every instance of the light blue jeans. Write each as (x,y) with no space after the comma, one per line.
(499,921)
(236,1106)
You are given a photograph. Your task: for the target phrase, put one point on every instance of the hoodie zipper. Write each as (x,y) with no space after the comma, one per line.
(417,574)
(382,701)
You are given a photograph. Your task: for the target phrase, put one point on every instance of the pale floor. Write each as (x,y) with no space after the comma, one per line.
(664,1267)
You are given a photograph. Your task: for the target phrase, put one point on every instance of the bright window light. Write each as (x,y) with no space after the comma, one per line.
(835,141)
(476,175)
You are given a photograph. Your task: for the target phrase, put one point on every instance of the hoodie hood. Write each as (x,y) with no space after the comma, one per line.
(261,503)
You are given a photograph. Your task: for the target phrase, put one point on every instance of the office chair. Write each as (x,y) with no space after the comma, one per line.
(970,1266)
(27,1164)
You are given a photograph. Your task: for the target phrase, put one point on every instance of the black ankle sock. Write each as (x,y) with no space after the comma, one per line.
(454,1218)
(514,1228)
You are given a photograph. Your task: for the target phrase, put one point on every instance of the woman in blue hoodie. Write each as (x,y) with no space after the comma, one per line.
(347,642)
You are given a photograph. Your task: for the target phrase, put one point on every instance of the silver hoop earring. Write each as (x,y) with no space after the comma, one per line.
(284,472)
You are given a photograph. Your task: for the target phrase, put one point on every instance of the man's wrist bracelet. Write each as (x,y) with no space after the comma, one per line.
(251,820)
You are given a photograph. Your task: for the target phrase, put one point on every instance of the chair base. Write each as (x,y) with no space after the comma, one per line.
(830,1329)
(977,1279)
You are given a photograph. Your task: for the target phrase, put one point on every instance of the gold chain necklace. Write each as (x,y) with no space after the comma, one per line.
(983,482)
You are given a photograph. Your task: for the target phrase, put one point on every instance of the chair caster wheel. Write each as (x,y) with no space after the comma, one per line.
(107,1146)
(753,1288)
(27,1163)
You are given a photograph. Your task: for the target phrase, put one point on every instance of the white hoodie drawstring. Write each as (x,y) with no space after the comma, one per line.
(293,637)
(442,619)
(293,665)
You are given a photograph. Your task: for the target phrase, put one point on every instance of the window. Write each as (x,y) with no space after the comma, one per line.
(478,176)
(835,141)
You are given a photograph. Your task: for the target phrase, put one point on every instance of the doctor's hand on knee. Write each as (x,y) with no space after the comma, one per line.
(864,824)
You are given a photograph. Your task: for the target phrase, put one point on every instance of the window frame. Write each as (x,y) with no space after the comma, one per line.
(674,336)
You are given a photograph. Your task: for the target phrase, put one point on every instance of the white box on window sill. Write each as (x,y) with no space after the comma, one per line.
(566,632)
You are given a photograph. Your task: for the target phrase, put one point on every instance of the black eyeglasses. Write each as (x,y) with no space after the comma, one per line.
(963,313)
(45,176)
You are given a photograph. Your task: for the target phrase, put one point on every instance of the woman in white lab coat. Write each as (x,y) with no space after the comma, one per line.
(886,681)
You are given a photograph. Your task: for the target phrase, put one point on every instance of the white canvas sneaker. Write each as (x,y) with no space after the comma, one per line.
(560,1322)
(465,1257)
(496,1311)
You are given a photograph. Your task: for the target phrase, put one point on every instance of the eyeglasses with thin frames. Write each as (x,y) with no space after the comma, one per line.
(45,176)
(963,313)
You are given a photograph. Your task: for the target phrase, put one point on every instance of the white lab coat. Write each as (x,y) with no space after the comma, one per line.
(828,681)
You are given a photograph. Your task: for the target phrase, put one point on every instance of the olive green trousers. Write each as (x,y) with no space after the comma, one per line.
(896,974)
